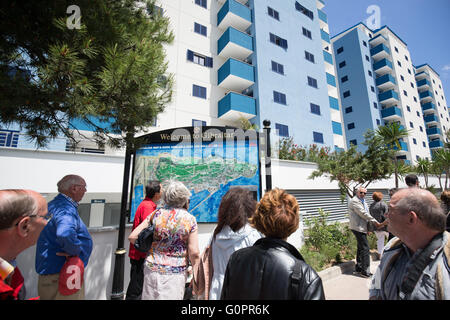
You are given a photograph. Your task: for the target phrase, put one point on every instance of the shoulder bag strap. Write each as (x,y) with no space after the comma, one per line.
(295,280)
(417,265)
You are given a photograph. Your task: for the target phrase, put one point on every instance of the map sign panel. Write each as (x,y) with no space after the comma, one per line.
(208,160)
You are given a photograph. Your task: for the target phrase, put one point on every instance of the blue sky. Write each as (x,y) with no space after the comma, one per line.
(423,24)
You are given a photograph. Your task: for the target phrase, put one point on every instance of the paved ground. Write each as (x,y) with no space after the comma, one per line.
(348,286)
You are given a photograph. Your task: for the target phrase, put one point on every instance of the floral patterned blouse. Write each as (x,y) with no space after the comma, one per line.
(168,253)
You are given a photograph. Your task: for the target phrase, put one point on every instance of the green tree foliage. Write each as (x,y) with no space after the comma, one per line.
(110,71)
(353,169)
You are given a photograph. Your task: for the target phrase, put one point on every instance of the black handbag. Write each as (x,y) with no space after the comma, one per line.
(145,238)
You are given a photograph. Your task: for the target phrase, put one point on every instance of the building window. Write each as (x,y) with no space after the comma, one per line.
(200,29)
(414,141)
(367,58)
(344,79)
(353,142)
(342,64)
(351,126)
(309,56)
(198,91)
(412,85)
(399,64)
(348,109)
(303,10)
(421,129)
(339,50)
(415,99)
(424,144)
(278,41)
(409,71)
(277,67)
(273,13)
(405,93)
(378,122)
(312,82)
(402,78)
(364,43)
(346,94)
(198,123)
(408,108)
(315,108)
(279,97)
(9,138)
(375,105)
(283,130)
(406,58)
(317,137)
(201,3)
(199,59)
(306,33)
(396,49)
(418,113)
(372,88)
(369,72)
(411,124)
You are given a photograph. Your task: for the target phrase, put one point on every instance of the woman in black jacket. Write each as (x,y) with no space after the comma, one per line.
(272,268)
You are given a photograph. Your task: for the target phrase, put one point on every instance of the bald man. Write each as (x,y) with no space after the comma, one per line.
(415,264)
(23,215)
(64,236)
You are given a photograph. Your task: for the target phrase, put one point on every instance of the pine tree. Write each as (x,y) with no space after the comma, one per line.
(111,73)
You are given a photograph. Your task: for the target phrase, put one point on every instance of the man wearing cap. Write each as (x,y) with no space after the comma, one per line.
(23,215)
(64,238)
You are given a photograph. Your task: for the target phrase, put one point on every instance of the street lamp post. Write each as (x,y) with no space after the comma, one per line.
(266,124)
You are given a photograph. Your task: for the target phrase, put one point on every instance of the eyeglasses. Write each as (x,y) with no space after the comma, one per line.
(82,185)
(47,217)
(363,193)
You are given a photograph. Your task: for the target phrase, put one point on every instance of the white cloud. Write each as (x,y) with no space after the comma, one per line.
(446,68)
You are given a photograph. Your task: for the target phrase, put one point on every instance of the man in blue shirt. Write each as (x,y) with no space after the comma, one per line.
(64,236)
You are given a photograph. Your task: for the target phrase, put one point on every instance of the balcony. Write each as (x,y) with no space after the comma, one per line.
(422,75)
(235,75)
(377,40)
(388,97)
(380,52)
(327,57)
(235,105)
(436,144)
(391,114)
(426,96)
(433,131)
(385,82)
(423,84)
(403,146)
(234,14)
(429,107)
(235,44)
(382,67)
(325,36)
(322,16)
(331,80)
(334,103)
(431,119)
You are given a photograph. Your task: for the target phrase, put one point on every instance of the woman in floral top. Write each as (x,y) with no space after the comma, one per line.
(174,241)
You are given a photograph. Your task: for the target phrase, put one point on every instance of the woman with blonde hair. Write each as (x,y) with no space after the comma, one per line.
(175,240)
(272,268)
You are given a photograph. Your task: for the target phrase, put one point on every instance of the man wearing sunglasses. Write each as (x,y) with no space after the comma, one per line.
(23,215)
(65,236)
(359,217)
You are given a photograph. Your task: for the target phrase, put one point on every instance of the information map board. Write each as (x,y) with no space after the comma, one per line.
(208,160)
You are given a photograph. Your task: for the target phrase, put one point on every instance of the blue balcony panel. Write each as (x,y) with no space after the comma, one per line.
(235,75)
(384,82)
(391,113)
(235,44)
(322,16)
(423,83)
(426,95)
(430,119)
(380,51)
(331,80)
(334,103)
(234,14)
(428,107)
(235,105)
(388,96)
(337,128)
(383,66)
(433,131)
(325,36)
(327,57)
(436,144)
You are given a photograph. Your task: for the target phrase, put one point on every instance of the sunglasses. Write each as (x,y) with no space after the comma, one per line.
(363,193)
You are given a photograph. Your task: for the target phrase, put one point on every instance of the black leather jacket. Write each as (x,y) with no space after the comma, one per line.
(264,271)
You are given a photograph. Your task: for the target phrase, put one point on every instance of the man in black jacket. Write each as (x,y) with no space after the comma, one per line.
(272,268)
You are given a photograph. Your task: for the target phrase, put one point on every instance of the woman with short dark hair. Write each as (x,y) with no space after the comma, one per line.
(272,268)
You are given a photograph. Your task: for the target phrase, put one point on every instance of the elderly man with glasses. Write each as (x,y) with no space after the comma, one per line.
(359,216)
(64,236)
(23,215)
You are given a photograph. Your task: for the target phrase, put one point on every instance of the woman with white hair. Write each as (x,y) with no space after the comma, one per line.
(175,240)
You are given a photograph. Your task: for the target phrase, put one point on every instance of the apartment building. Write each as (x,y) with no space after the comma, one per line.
(434,105)
(377,86)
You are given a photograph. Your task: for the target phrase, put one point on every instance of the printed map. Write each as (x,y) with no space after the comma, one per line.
(208,171)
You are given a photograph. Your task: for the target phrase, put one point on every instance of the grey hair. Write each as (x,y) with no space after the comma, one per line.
(67,181)
(175,194)
(15,203)
(426,206)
